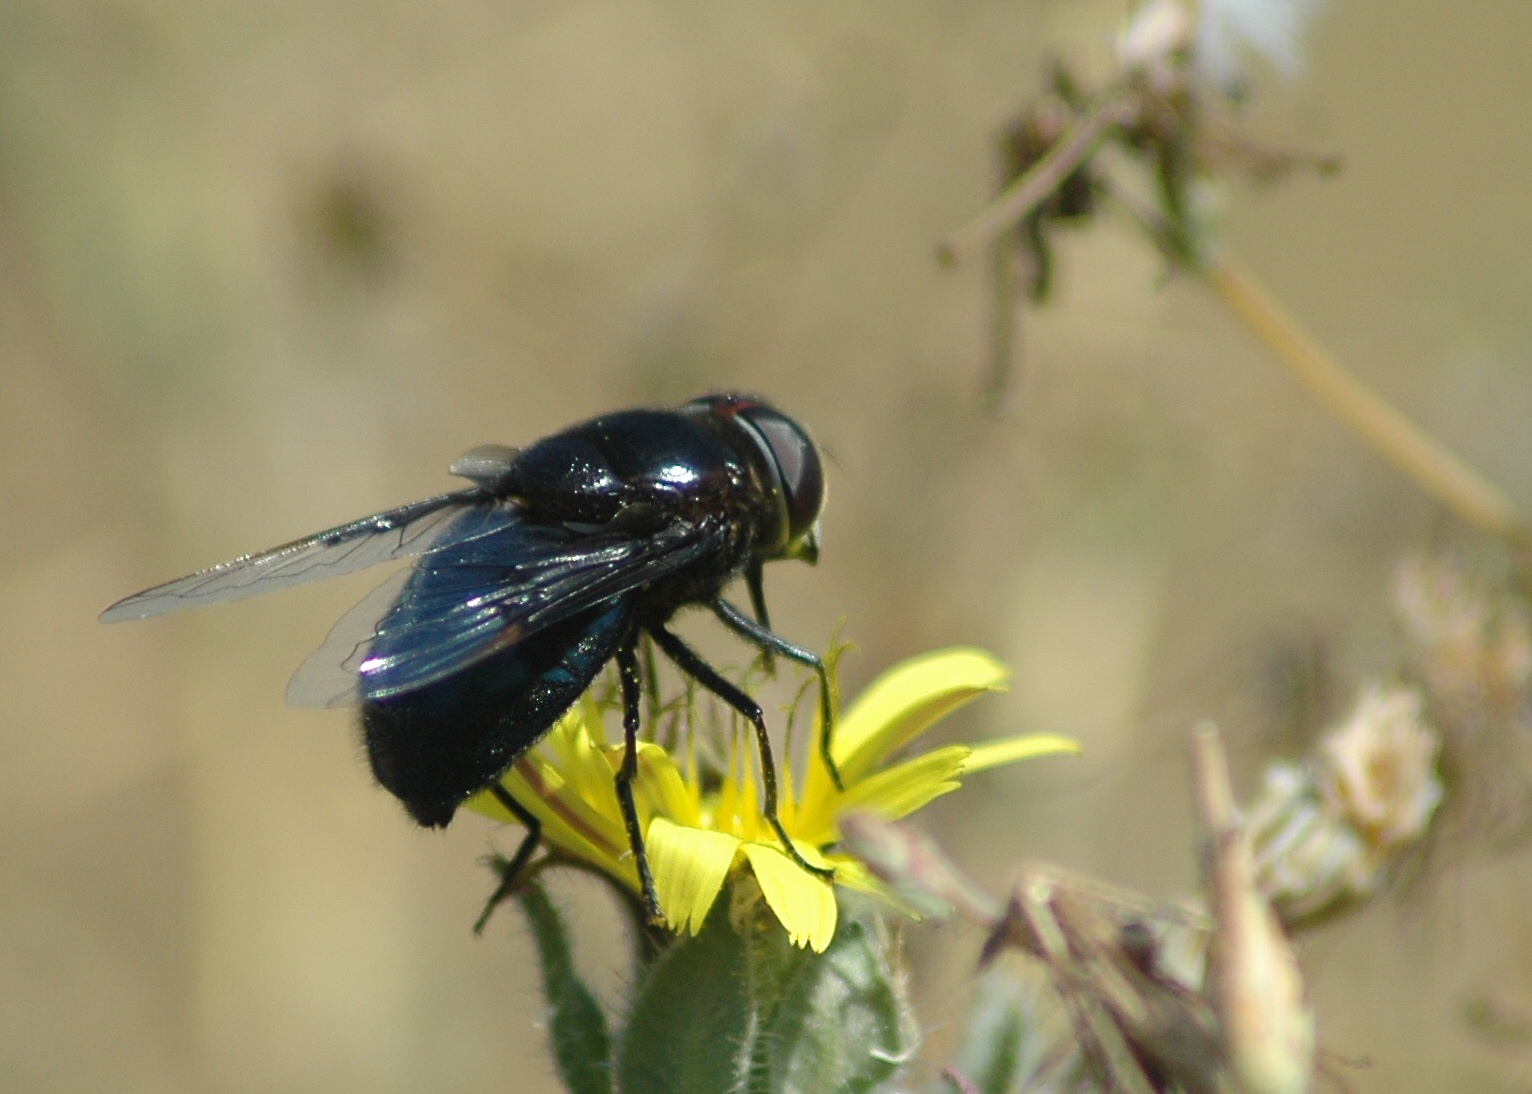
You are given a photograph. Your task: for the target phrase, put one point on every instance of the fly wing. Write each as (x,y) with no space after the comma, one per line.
(411,529)
(484,593)
(327,677)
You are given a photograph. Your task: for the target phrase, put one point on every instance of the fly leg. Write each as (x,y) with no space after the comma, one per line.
(632,693)
(689,662)
(762,637)
(510,875)
(754,582)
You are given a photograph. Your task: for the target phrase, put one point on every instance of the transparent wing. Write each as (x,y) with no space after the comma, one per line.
(483,594)
(397,533)
(327,677)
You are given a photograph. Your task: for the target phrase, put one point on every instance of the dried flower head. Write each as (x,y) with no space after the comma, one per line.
(1381,771)
(1332,831)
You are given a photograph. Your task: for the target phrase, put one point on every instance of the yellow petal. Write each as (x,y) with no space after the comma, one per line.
(899,790)
(689,865)
(1010,750)
(575,751)
(660,789)
(804,904)
(737,807)
(568,785)
(903,703)
(588,712)
(593,831)
(486,804)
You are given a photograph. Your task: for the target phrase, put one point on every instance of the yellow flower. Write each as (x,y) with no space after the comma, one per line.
(696,835)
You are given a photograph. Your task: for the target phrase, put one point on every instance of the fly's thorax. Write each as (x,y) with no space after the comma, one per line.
(639,467)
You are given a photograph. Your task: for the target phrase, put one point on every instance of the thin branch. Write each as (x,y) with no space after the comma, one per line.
(1437,469)
(1033,186)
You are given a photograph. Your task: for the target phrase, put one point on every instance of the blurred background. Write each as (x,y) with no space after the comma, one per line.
(265,267)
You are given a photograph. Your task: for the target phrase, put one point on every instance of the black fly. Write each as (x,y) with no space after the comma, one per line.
(555,561)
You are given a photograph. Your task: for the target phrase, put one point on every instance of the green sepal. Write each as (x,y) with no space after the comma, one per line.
(692,1021)
(829,1022)
(577,1027)
(740,1010)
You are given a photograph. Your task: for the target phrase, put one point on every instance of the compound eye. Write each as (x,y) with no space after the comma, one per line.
(797,460)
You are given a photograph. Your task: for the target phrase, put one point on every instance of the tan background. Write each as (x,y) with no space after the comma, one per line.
(267,266)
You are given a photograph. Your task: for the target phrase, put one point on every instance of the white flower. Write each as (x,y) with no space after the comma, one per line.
(1272,29)
(1218,34)
(1157,30)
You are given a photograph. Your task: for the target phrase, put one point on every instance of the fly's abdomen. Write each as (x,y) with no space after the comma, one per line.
(437,745)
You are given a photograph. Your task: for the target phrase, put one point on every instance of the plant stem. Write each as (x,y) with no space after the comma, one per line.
(1035,184)
(1411,449)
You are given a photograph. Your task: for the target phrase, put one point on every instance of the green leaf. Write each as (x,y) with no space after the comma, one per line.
(582,1043)
(693,1019)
